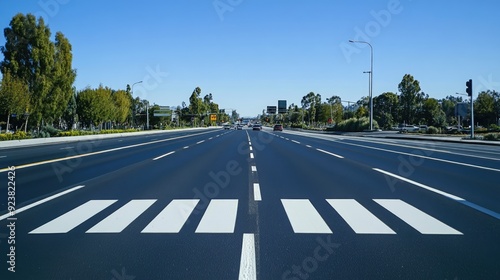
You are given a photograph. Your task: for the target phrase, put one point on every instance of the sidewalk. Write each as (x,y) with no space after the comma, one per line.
(57,140)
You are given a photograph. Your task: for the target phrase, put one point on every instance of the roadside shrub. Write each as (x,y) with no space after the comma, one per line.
(494,127)
(492,137)
(355,124)
(432,130)
(14,136)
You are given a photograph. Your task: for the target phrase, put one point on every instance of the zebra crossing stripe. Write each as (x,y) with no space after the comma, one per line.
(417,219)
(173,217)
(220,217)
(303,216)
(358,217)
(73,218)
(122,217)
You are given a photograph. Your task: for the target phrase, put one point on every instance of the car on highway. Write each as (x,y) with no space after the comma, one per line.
(409,128)
(226,126)
(278,127)
(239,127)
(257,127)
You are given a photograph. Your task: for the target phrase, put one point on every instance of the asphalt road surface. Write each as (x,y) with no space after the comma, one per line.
(243,204)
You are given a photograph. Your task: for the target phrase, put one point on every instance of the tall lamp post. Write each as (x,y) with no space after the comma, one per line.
(371,79)
(132,93)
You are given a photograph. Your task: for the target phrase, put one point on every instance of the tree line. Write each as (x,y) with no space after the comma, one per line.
(409,106)
(37,89)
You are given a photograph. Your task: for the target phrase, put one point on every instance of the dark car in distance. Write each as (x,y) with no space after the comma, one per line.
(257,127)
(278,127)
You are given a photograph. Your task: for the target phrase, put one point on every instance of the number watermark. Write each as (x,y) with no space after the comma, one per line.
(11,220)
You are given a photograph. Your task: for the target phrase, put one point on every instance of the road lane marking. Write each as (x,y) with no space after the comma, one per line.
(3,156)
(220,217)
(297,142)
(22,209)
(173,217)
(309,146)
(358,217)
(162,156)
(251,155)
(256,192)
(73,218)
(326,152)
(445,194)
(210,138)
(186,147)
(248,267)
(251,149)
(417,219)
(99,152)
(66,148)
(199,142)
(303,216)
(121,218)
(254,168)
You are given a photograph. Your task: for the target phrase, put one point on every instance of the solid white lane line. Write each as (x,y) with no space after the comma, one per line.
(220,217)
(358,217)
(417,219)
(199,142)
(254,168)
(22,209)
(251,155)
(248,267)
(256,192)
(162,156)
(73,218)
(297,142)
(303,216)
(121,218)
(419,185)
(173,217)
(328,153)
(445,194)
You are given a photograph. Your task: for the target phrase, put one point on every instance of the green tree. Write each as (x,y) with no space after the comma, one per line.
(385,109)
(196,103)
(432,113)
(484,109)
(44,66)
(122,104)
(411,98)
(448,105)
(14,97)
(70,115)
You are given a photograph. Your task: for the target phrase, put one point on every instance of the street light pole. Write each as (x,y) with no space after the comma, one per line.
(371,79)
(132,93)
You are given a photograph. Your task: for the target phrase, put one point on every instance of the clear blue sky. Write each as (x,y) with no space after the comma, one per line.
(251,53)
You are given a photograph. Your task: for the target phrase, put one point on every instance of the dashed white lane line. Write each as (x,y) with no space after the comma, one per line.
(210,138)
(22,209)
(162,156)
(328,153)
(256,192)
(309,146)
(251,149)
(248,267)
(199,142)
(3,156)
(67,148)
(254,168)
(186,147)
(445,194)
(296,142)
(251,155)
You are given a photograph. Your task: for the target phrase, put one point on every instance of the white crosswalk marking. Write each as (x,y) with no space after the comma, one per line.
(417,219)
(220,217)
(359,218)
(303,216)
(173,217)
(73,218)
(122,217)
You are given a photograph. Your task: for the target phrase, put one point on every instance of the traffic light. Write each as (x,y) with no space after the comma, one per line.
(469,87)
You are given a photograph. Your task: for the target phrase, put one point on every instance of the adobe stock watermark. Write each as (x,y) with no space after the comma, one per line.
(150,81)
(310,264)
(50,9)
(121,276)
(487,83)
(223,6)
(371,29)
